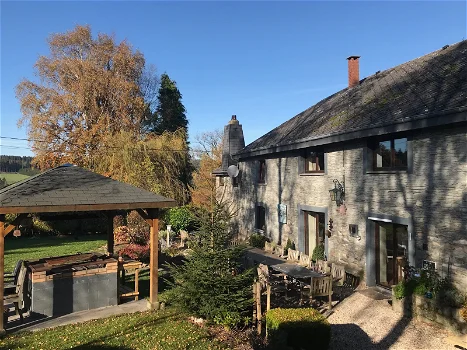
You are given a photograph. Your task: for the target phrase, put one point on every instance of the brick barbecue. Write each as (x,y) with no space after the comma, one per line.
(66,284)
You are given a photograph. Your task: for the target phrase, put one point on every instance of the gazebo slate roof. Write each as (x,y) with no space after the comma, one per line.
(71,188)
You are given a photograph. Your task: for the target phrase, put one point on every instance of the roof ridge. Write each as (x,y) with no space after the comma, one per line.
(19,183)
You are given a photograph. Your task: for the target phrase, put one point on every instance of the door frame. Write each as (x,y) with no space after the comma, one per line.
(301,226)
(370,244)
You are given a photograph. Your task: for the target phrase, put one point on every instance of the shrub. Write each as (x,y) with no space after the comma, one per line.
(138,229)
(121,234)
(298,328)
(180,218)
(451,297)
(289,245)
(257,240)
(318,253)
(136,251)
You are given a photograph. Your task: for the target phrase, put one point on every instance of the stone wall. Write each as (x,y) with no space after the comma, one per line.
(432,194)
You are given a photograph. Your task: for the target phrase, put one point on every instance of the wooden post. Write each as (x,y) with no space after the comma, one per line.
(254,302)
(153,261)
(2,269)
(137,283)
(110,234)
(268,297)
(258,305)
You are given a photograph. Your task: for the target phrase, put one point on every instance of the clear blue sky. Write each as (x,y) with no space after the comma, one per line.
(263,61)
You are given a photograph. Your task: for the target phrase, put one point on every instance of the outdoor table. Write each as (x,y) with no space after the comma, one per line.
(295,271)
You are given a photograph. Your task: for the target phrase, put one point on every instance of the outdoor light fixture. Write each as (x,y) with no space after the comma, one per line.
(337,194)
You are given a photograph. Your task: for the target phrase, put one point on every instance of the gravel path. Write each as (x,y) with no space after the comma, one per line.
(363,323)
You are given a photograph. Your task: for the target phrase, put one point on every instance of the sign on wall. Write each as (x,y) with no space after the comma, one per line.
(282,208)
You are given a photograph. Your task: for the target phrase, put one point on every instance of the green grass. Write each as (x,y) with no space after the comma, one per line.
(13,177)
(32,248)
(166,330)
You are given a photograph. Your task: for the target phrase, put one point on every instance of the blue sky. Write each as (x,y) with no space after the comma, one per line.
(263,61)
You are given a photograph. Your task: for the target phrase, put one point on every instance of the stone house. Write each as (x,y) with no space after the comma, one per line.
(377,172)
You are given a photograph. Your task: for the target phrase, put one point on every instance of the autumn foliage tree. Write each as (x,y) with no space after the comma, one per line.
(88,89)
(209,153)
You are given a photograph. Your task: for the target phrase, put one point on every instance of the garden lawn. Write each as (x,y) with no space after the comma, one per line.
(13,177)
(32,248)
(165,329)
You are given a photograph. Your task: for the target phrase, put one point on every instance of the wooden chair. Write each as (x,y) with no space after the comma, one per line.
(279,250)
(268,247)
(338,274)
(323,266)
(124,291)
(17,297)
(293,255)
(10,279)
(277,281)
(305,260)
(318,287)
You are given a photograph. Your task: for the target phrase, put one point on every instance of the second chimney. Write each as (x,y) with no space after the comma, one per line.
(354,74)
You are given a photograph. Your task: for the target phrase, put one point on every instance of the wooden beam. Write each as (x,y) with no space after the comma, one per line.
(110,233)
(153,265)
(87,207)
(144,215)
(2,269)
(14,223)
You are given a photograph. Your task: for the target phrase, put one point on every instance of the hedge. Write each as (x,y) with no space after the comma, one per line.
(298,328)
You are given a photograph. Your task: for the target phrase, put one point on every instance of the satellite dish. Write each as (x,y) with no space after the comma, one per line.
(232,171)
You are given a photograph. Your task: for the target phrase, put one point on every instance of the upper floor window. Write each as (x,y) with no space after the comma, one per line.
(262,172)
(390,154)
(314,162)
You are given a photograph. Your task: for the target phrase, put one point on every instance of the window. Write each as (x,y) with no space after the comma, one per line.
(220,181)
(260,218)
(390,154)
(314,162)
(262,172)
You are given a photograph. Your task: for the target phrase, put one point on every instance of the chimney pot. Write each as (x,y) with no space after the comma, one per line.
(353,70)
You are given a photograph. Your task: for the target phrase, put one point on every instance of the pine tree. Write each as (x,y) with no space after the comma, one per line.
(170,112)
(212,283)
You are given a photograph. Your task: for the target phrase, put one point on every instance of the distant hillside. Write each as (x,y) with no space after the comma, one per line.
(13,164)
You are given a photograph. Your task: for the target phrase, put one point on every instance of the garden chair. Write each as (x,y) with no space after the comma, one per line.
(318,287)
(279,251)
(305,260)
(10,279)
(338,274)
(293,255)
(323,266)
(17,297)
(268,247)
(276,281)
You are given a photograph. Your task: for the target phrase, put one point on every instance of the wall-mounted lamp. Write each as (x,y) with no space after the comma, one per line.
(337,194)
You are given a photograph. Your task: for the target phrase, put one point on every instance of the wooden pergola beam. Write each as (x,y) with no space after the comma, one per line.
(144,216)
(86,207)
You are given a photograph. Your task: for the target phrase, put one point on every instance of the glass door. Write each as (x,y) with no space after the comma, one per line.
(314,230)
(391,252)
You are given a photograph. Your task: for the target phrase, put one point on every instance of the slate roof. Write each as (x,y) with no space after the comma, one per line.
(426,86)
(71,188)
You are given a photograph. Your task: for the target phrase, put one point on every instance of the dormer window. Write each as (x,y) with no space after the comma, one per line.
(262,172)
(314,162)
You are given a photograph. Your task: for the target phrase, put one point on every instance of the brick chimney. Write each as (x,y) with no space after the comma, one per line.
(354,74)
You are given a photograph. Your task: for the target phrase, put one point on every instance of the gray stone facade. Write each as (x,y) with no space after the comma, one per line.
(430,198)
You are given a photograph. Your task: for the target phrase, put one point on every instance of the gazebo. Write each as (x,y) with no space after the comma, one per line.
(68,191)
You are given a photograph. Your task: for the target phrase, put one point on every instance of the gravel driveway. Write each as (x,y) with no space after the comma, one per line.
(363,323)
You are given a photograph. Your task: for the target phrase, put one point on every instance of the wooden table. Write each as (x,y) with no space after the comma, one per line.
(295,271)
